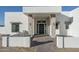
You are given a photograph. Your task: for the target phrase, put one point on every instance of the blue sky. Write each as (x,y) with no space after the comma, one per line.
(8,9)
(19,9)
(68,8)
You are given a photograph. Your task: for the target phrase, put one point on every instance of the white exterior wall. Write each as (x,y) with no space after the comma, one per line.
(74,27)
(43,9)
(16,41)
(11,17)
(4,41)
(69,42)
(2,30)
(59,42)
(57,31)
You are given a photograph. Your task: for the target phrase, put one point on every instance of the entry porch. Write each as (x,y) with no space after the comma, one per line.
(42,24)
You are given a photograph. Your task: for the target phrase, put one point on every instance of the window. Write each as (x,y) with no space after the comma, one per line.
(43,21)
(15,27)
(38,21)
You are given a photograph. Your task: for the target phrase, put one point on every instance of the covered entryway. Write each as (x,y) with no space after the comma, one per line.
(42,23)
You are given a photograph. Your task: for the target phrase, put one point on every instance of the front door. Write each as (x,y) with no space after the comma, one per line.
(41,28)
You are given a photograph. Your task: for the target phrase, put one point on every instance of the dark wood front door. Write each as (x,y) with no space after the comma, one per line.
(41,28)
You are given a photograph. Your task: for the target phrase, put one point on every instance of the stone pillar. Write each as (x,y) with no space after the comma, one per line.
(62,28)
(52,27)
(31,25)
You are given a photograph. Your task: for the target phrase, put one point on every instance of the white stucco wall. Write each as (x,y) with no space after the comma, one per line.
(57,31)
(74,27)
(11,17)
(41,9)
(69,42)
(4,41)
(16,41)
(59,42)
(2,30)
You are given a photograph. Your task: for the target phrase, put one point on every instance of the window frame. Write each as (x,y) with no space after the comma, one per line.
(16,29)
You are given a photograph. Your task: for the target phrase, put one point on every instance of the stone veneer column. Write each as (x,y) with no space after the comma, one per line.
(62,28)
(52,26)
(31,25)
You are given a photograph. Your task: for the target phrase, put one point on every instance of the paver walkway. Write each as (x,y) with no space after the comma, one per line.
(43,44)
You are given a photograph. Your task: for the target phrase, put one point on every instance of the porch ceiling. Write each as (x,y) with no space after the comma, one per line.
(42,15)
